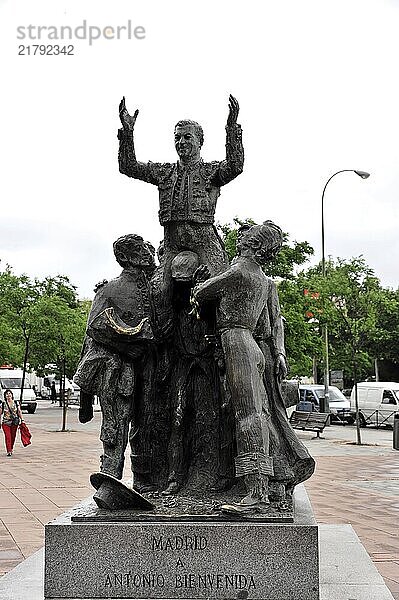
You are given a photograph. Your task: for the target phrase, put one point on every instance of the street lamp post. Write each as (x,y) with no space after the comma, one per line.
(324,402)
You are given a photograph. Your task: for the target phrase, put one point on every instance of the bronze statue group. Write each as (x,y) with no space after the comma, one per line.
(187,356)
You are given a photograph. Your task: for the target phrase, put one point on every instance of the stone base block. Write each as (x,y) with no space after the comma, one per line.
(187,560)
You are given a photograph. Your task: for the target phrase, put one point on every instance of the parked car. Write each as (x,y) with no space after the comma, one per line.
(378,402)
(340,407)
(12,379)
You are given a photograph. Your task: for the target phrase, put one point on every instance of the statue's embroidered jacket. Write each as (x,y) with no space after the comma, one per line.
(185,193)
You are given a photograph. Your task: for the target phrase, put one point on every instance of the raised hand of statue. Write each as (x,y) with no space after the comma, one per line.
(234,109)
(201,274)
(127,120)
(281,367)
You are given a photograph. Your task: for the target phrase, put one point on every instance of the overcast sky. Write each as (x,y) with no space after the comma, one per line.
(318,86)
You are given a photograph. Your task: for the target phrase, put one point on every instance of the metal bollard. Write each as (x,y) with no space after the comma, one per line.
(396,431)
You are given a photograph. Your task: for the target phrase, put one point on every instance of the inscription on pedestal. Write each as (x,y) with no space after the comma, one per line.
(190,581)
(181,578)
(178,542)
(182,561)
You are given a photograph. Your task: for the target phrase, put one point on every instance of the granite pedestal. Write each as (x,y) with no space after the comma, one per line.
(346,571)
(187,560)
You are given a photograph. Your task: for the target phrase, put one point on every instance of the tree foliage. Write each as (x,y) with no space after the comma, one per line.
(42,322)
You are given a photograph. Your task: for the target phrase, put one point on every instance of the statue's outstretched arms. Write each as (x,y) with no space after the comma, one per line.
(128,163)
(234,163)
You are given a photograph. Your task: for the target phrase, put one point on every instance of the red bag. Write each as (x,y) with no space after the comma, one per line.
(25,434)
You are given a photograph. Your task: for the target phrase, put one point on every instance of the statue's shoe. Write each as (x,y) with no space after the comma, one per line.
(172,488)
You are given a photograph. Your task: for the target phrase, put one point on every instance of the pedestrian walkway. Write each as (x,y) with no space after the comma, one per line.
(41,481)
(352,484)
(360,485)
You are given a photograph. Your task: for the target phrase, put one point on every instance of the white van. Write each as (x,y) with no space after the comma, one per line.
(378,402)
(12,379)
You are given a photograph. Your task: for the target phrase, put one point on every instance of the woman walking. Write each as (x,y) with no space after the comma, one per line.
(11,412)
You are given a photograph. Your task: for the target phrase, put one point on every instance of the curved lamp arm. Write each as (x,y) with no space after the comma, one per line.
(363,175)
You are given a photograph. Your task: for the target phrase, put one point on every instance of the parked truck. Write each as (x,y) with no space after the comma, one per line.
(378,402)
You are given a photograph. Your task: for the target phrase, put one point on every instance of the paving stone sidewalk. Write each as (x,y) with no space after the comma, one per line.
(360,485)
(41,481)
(352,484)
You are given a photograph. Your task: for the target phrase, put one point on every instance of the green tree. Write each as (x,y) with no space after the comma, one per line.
(41,322)
(64,328)
(385,343)
(19,297)
(303,340)
(350,294)
(347,301)
(9,351)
